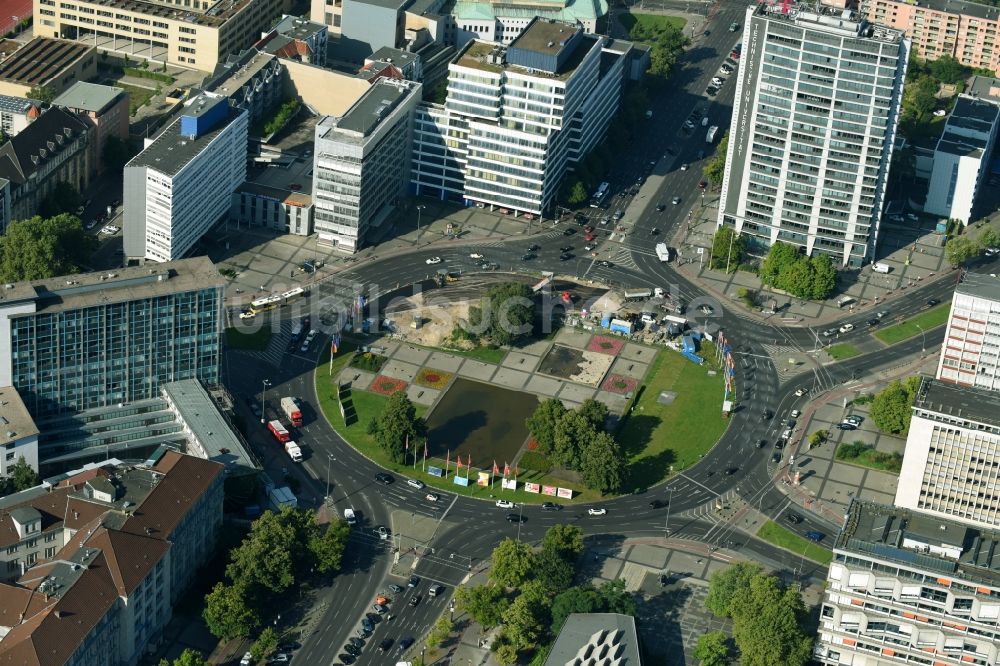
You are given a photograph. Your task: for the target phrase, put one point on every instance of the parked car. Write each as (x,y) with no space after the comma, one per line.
(415,600)
(734,26)
(384,645)
(405,643)
(813,535)
(432,497)
(382,532)
(413,581)
(396,588)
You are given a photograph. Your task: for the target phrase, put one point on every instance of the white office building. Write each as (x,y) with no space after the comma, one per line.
(362,163)
(181,184)
(909,588)
(969,353)
(517,117)
(962,158)
(818,94)
(503,22)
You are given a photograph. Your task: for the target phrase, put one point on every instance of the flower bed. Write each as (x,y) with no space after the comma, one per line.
(435,379)
(620,384)
(605,345)
(387,385)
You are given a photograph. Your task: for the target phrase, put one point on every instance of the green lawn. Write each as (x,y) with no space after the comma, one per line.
(659,437)
(925,321)
(864,455)
(136,96)
(255,341)
(650,22)
(842,350)
(777,535)
(367,405)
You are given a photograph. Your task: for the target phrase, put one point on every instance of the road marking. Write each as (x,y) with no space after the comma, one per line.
(699,483)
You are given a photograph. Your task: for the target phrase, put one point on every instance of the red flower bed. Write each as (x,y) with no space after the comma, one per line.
(532,444)
(605,345)
(620,384)
(387,385)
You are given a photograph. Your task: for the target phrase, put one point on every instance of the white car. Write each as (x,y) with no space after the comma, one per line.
(432,497)
(846,328)
(433,260)
(596,512)
(940,113)
(795,414)
(684,167)
(801,392)
(718,81)
(413,483)
(383,534)
(505,504)
(246,660)
(476,255)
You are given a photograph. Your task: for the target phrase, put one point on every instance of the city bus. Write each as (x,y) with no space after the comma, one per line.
(271,302)
(600,195)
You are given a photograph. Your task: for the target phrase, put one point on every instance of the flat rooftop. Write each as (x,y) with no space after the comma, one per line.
(984,87)
(922,541)
(41,60)
(214,16)
(832,20)
(482,56)
(15,421)
(91,97)
(171,151)
(392,56)
(387,4)
(980,286)
(965,402)
(545,36)
(976,114)
(596,638)
(374,106)
(974,9)
(70,292)
(237,72)
(298,28)
(956,144)
(206,427)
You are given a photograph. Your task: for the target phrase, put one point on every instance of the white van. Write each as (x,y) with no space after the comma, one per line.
(350,517)
(879,267)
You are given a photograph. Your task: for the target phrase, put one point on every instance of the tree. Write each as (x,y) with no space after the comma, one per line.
(565,541)
(40,248)
(227,613)
(615,598)
(947,70)
(542,424)
(892,406)
(265,644)
(722,585)
(513,563)
(553,571)
(264,559)
(505,314)
(573,435)
(824,276)
(578,194)
(712,649)
(116,154)
(959,250)
(64,198)
(595,412)
(42,93)
(485,603)
(190,658)
(779,257)
(21,476)
(328,547)
(715,170)
(526,618)
(988,237)
(580,599)
(767,624)
(602,464)
(397,423)
(440,631)
(727,249)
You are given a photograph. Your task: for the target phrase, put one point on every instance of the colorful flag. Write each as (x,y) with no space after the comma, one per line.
(447,463)
(496,470)
(334,343)
(506,469)
(468,465)
(458,464)
(425,450)
(424,464)
(515,472)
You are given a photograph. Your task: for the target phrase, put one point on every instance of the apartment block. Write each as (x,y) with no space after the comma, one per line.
(97,558)
(966,31)
(16,113)
(517,117)
(362,162)
(92,340)
(191,33)
(818,95)
(252,80)
(53,64)
(969,353)
(18,432)
(297,39)
(910,588)
(503,22)
(181,184)
(104,108)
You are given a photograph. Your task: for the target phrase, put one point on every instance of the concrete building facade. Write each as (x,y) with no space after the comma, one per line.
(53,64)
(181,185)
(818,95)
(496,22)
(908,588)
(191,33)
(94,340)
(105,109)
(362,162)
(969,353)
(18,432)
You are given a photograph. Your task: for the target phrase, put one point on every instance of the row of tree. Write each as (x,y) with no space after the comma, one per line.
(530,593)
(666,42)
(40,248)
(789,269)
(576,440)
(728,249)
(769,619)
(280,550)
(961,249)
(892,407)
(715,169)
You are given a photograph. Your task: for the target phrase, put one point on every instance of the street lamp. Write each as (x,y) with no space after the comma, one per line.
(520,519)
(329,459)
(420,209)
(670,497)
(923,338)
(263,418)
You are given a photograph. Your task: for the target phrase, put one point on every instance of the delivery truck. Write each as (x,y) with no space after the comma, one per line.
(290,406)
(280,497)
(293,451)
(662,252)
(279,431)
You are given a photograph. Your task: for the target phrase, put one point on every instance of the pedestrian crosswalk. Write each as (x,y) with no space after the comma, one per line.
(782,357)
(278,345)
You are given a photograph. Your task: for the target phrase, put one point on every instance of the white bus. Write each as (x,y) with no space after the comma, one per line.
(600,195)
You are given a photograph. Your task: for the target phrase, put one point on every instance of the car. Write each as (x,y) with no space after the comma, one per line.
(413,483)
(504,504)
(515,518)
(732,470)
(830,332)
(882,314)
(814,535)
(567,248)
(793,518)
(711,91)
(356,642)
(761,443)
(385,644)
(846,426)
(413,581)
(779,444)
(534,247)
(432,497)
(380,609)
(940,113)
(527,257)
(290,645)
(605,263)
(766,415)
(246,660)
(435,590)
(795,413)
(430,261)
(405,643)
(689,124)
(366,623)
(596,512)
(565,256)
(776,458)
(382,599)
(657,504)
(591,247)
(718,81)
(415,600)
(846,328)
(396,588)
(569,231)
(734,26)
(853,418)
(702,185)
(931,302)
(382,533)
(352,649)
(655,231)
(619,214)
(384,479)
(786,434)
(346,658)
(790,423)
(660,207)
(873,322)
(726,69)
(991,251)
(304,347)
(684,167)
(551,506)
(675,200)
(476,255)
(374,618)
(706,309)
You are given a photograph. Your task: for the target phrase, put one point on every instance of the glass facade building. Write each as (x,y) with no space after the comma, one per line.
(98,340)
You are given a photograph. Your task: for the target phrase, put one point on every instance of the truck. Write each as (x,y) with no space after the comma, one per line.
(637,294)
(279,431)
(280,497)
(293,451)
(710,137)
(290,406)
(620,326)
(297,330)
(880,267)
(662,252)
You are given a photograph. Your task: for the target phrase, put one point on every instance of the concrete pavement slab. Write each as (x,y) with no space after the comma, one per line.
(635,352)
(616,402)
(411,354)
(633,575)
(358,379)
(629,368)
(576,392)
(477,370)
(536,348)
(443,361)
(572,337)
(876,496)
(848,474)
(510,378)
(400,370)
(422,395)
(649,555)
(541,385)
(521,361)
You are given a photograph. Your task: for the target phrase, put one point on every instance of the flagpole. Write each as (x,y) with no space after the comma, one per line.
(414,458)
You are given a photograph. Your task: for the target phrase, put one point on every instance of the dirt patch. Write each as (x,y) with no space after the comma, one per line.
(582,367)
(437,319)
